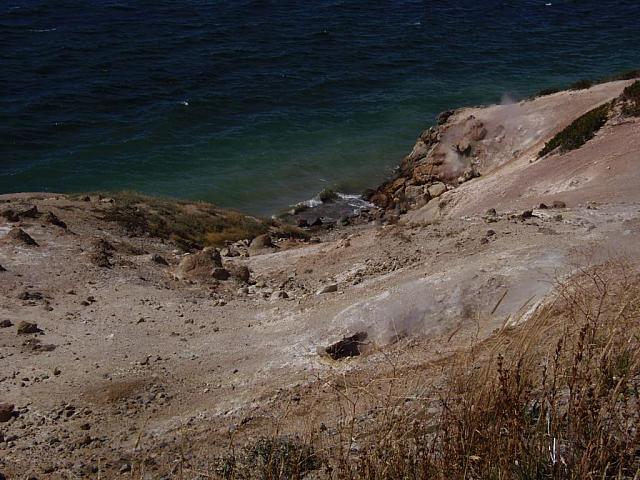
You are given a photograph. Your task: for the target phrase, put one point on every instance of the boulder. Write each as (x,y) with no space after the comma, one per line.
(260,244)
(437,189)
(6,412)
(159,259)
(26,328)
(221,274)
(19,237)
(200,266)
(240,272)
(414,192)
(475,130)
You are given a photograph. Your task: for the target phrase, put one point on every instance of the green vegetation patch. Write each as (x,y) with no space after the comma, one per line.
(189,224)
(631,99)
(579,132)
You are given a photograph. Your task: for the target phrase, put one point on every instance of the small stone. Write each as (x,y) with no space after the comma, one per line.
(54,220)
(125,467)
(543,206)
(559,204)
(25,328)
(159,259)
(484,241)
(6,324)
(328,289)
(220,274)
(57,371)
(2,269)
(490,233)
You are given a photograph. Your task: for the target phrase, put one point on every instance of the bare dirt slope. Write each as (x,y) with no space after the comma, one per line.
(133,352)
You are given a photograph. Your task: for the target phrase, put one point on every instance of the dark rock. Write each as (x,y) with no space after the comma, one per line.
(559,204)
(25,328)
(543,206)
(303,223)
(10,215)
(526,214)
(17,236)
(29,212)
(344,221)
(347,347)
(444,117)
(491,212)
(241,272)
(159,259)
(490,233)
(6,412)
(317,222)
(2,269)
(27,295)
(51,218)
(221,274)
(6,324)
(484,241)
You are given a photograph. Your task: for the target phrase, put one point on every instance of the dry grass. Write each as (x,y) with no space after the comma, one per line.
(557,397)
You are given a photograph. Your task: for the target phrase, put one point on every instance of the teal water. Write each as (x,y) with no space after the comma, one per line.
(257,105)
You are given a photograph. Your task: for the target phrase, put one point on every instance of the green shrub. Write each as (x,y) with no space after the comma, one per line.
(631,99)
(327,195)
(579,132)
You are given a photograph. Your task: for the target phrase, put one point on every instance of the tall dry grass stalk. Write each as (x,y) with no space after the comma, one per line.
(556,397)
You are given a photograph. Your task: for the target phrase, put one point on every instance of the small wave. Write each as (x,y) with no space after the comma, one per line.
(185,103)
(41,30)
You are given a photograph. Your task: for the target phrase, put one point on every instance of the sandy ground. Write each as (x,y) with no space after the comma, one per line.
(131,362)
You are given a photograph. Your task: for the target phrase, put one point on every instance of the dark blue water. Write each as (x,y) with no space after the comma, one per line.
(260,104)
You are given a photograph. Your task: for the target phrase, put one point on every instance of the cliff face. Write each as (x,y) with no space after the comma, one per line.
(473,142)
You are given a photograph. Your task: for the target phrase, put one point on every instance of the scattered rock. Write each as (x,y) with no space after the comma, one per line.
(101,253)
(543,206)
(279,295)
(6,412)
(559,204)
(19,237)
(526,214)
(27,295)
(260,243)
(490,233)
(200,266)
(437,189)
(29,212)
(6,324)
(2,269)
(328,289)
(10,215)
(25,328)
(347,347)
(51,218)
(159,259)
(241,273)
(221,274)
